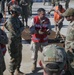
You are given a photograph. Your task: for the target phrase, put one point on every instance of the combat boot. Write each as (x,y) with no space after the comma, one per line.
(34,66)
(18,72)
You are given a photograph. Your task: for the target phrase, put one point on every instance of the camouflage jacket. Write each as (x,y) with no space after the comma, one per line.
(14,26)
(69,35)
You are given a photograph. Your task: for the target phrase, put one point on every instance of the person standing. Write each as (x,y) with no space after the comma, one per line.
(55,2)
(10,3)
(53,60)
(24,5)
(58,20)
(15,28)
(3,40)
(3,6)
(69,42)
(8,6)
(30,3)
(40,28)
(67,4)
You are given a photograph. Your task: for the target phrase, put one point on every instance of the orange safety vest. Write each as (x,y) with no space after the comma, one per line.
(40,37)
(57,17)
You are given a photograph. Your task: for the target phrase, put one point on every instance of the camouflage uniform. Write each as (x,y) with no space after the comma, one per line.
(3,6)
(25,13)
(3,40)
(67,4)
(55,2)
(30,7)
(15,28)
(56,56)
(69,39)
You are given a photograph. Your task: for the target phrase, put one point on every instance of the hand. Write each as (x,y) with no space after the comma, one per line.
(40,32)
(48,31)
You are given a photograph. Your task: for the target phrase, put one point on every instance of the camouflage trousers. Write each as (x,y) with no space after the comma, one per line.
(35,47)
(15,51)
(70,57)
(2,64)
(55,2)
(30,9)
(67,4)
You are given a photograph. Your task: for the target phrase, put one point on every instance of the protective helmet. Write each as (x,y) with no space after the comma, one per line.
(69,12)
(54,54)
(16,8)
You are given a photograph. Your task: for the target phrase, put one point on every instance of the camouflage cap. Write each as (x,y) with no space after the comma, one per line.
(53,53)
(68,12)
(16,8)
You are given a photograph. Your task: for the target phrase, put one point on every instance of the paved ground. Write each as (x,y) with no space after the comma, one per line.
(26,53)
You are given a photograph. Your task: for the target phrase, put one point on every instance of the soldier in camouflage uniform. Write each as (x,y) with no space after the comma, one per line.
(24,5)
(15,28)
(67,4)
(53,60)
(3,40)
(55,2)
(30,7)
(69,15)
(3,6)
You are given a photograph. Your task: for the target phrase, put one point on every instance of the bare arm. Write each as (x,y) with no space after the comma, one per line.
(61,20)
(57,11)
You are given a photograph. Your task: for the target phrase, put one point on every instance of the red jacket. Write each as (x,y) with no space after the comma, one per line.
(40,37)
